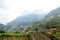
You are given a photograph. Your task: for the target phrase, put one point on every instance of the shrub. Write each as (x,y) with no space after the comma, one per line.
(53,37)
(1,31)
(6,35)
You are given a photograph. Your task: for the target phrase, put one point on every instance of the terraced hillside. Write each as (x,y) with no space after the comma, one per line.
(34,35)
(13,38)
(39,36)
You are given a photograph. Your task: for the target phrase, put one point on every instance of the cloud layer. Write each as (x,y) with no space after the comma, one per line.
(10,9)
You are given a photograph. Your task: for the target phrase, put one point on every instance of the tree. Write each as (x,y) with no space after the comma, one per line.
(1,31)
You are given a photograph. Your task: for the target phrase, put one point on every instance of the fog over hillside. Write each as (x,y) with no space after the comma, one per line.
(11,9)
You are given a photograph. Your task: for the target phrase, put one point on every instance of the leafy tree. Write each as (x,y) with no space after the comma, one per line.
(1,31)
(17,32)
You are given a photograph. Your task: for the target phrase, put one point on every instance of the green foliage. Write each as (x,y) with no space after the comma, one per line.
(1,31)
(53,37)
(54,22)
(28,33)
(17,32)
(50,23)
(19,35)
(57,34)
(6,35)
(14,35)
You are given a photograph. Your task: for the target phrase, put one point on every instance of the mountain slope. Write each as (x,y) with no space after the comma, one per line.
(53,14)
(50,20)
(2,27)
(24,21)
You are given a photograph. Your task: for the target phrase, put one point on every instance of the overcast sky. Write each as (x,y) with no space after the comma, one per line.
(10,9)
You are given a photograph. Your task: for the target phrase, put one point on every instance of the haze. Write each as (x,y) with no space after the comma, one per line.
(10,9)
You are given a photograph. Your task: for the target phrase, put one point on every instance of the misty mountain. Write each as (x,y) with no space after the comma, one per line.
(53,14)
(51,19)
(2,27)
(24,21)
